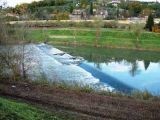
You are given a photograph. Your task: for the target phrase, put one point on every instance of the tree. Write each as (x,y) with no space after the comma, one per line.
(149,23)
(135,8)
(137,30)
(134,69)
(91,8)
(71,8)
(83,3)
(146,64)
(12,51)
(9,57)
(21,9)
(42,14)
(146,12)
(98,23)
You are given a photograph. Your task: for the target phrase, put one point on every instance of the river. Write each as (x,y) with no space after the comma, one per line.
(124,70)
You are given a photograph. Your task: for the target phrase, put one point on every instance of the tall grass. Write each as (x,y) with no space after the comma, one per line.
(79,87)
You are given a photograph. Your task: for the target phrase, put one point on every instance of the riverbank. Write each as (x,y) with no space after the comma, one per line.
(17,110)
(107,38)
(82,105)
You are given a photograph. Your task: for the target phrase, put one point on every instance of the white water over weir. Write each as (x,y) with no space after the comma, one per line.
(53,64)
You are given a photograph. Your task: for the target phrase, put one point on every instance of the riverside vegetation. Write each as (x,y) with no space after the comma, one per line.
(42,91)
(107,37)
(16,110)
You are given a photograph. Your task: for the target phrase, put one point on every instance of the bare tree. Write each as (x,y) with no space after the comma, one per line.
(137,29)
(98,23)
(12,50)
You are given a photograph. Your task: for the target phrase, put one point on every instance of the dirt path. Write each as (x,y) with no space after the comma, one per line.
(84,105)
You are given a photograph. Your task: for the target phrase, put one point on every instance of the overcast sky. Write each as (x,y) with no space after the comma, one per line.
(15,2)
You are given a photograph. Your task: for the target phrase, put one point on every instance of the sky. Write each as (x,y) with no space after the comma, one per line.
(13,3)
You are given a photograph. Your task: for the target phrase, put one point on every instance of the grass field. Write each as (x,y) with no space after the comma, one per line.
(87,36)
(13,110)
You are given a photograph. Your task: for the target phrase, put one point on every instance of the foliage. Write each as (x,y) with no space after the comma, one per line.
(20,9)
(71,8)
(155,7)
(42,14)
(135,8)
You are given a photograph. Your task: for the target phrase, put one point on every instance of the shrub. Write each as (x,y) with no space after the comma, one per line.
(145,95)
(112,24)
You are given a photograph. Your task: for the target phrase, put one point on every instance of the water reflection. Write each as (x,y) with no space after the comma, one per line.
(122,69)
(146,64)
(134,69)
(126,76)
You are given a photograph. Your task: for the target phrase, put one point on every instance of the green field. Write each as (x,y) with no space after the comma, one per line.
(13,110)
(116,38)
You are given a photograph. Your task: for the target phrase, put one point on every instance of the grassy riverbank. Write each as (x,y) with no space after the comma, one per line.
(14,110)
(79,105)
(114,38)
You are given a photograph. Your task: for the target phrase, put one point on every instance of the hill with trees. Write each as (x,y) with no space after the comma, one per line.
(52,9)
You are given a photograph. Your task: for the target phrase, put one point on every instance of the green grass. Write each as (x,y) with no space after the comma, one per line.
(108,37)
(12,110)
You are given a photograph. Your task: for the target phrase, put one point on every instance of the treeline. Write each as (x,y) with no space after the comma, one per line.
(46,9)
(137,8)
(47,3)
(34,6)
(125,9)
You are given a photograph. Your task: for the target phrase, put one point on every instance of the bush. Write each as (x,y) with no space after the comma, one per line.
(112,24)
(145,95)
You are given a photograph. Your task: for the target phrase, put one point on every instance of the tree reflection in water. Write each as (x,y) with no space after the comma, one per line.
(134,69)
(146,64)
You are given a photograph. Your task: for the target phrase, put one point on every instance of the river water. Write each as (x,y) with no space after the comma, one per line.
(104,69)
(52,64)
(124,70)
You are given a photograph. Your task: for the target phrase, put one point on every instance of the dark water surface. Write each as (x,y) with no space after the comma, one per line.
(124,70)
